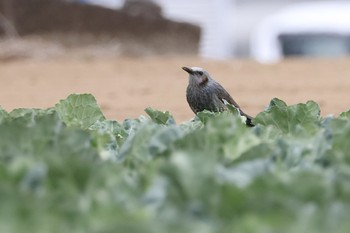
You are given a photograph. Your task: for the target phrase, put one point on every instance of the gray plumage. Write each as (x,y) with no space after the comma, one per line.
(204,93)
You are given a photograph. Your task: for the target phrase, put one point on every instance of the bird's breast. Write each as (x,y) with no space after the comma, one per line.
(203,98)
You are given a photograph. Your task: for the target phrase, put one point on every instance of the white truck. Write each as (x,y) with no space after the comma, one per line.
(313,29)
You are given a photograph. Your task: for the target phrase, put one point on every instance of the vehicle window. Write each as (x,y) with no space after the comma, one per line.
(315,45)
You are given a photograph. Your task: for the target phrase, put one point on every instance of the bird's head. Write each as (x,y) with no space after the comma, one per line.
(198,76)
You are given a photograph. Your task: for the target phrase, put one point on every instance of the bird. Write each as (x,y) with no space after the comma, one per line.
(204,93)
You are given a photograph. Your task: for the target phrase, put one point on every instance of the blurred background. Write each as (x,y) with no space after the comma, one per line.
(129,53)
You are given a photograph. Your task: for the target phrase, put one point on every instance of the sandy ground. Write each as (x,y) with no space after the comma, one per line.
(124,87)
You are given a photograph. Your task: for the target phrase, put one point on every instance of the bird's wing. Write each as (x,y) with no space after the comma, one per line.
(222,94)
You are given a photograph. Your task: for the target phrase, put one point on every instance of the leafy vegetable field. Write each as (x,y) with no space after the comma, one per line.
(68,169)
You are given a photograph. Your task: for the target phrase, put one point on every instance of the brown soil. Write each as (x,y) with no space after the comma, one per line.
(124,87)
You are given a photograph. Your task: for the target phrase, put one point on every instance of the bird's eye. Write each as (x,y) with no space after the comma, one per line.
(200,72)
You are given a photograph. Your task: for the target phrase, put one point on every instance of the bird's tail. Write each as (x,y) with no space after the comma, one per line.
(249,121)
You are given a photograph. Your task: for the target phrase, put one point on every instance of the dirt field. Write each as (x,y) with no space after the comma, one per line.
(124,87)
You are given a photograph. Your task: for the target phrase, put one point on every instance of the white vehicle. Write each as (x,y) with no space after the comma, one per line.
(306,29)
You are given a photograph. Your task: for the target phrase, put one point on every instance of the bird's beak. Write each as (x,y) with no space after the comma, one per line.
(188,70)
